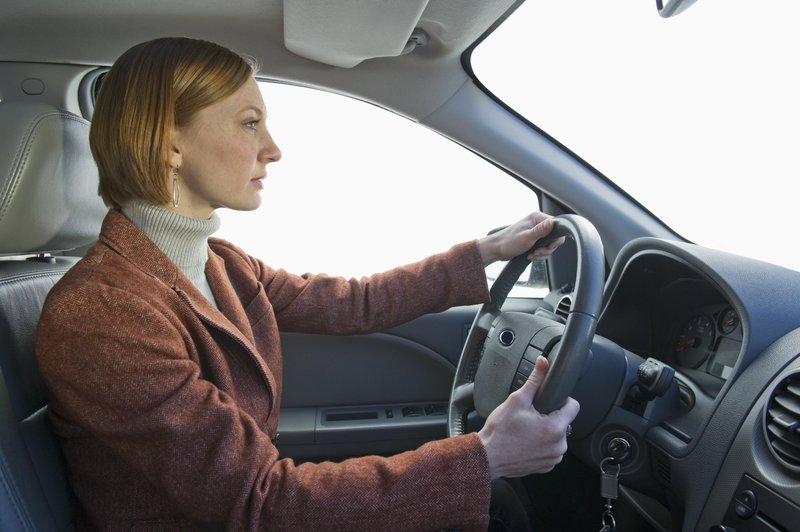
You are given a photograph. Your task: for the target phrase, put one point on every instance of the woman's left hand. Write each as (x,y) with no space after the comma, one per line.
(518,238)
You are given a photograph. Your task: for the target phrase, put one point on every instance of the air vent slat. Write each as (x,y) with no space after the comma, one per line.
(794,389)
(784,418)
(787,452)
(782,422)
(789,403)
(791,438)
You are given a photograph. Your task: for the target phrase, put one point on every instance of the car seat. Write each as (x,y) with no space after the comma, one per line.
(48,206)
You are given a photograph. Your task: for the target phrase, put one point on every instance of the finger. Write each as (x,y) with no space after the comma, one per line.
(543,228)
(536,217)
(531,386)
(547,250)
(540,231)
(567,413)
(570,410)
(554,245)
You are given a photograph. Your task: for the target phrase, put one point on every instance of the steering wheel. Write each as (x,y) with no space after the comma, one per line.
(502,347)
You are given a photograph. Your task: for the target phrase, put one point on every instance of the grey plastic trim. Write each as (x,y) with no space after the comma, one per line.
(87,91)
(363,369)
(354,430)
(742,446)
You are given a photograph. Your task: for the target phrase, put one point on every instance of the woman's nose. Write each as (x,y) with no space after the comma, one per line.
(270,153)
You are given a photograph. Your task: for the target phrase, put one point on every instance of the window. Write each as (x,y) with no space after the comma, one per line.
(361,190)
(695,116)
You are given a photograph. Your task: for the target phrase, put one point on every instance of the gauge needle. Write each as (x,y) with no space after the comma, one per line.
(685,344)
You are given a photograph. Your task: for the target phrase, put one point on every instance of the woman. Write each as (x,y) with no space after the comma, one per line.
(161,348)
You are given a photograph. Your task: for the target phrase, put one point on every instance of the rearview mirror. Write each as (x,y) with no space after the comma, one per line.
(669,8)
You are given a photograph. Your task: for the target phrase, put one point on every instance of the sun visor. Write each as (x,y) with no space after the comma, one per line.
(344,33)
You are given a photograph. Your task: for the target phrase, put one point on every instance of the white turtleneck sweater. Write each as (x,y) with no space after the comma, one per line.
(183,239)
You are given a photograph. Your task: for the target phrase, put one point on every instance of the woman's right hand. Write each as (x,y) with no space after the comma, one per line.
(519,440)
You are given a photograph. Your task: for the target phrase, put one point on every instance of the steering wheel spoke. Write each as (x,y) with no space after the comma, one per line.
(463,396)
(485,318)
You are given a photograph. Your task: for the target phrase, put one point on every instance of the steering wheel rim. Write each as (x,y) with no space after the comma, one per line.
(568,358)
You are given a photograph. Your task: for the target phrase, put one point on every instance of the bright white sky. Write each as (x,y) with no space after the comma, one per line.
(360,190)
(696,116)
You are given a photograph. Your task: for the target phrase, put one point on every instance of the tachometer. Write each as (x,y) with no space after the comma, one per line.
(694,341)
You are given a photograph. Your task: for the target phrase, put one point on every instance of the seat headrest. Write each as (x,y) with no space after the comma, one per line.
(48,181)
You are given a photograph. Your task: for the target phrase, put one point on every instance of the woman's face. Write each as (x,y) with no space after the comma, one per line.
(222,155)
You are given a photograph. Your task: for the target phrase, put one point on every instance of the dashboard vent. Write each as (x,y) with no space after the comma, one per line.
(782,422)
(564,306)
(662,466)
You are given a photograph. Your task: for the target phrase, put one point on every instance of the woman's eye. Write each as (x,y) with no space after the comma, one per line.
(252,124)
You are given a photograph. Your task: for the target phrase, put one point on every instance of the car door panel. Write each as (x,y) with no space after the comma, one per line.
(377,393)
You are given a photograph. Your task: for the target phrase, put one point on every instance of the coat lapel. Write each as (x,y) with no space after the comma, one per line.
(227,299)
(230,318)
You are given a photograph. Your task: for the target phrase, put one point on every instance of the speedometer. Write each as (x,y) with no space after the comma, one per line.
(694,341)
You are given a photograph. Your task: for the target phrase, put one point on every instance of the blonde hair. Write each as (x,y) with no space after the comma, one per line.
(150,90)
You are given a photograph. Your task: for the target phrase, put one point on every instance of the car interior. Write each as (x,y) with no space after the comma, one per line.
(685,358)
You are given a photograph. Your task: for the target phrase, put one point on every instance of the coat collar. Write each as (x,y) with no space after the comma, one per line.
(121,235)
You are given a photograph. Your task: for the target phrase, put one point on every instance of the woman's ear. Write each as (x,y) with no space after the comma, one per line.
(175,156)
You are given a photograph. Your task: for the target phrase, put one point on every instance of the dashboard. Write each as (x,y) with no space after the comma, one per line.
(730,328)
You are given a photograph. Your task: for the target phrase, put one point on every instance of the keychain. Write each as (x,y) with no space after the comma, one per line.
(609,490)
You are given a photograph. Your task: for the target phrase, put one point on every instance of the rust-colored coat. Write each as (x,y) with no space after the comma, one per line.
(165,406)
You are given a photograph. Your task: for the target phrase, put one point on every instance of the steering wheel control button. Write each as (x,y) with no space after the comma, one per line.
(507,337)
(526,367)
(547,336)
(519,380)
(745,504)
(531,354)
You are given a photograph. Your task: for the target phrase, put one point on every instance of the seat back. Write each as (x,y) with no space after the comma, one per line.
(48,203)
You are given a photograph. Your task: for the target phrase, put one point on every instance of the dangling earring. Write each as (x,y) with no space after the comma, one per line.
(176,190)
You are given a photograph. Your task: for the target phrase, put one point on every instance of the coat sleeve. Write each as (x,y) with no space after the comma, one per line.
(334,305)
(129,382)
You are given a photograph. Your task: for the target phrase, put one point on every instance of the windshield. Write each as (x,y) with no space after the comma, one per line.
(695,116)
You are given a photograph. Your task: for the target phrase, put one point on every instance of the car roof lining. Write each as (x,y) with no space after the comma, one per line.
(96,32)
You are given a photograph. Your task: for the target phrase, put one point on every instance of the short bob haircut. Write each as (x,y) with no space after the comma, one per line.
(153,88)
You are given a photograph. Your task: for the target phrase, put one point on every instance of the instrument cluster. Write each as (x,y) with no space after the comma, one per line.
(708,340)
